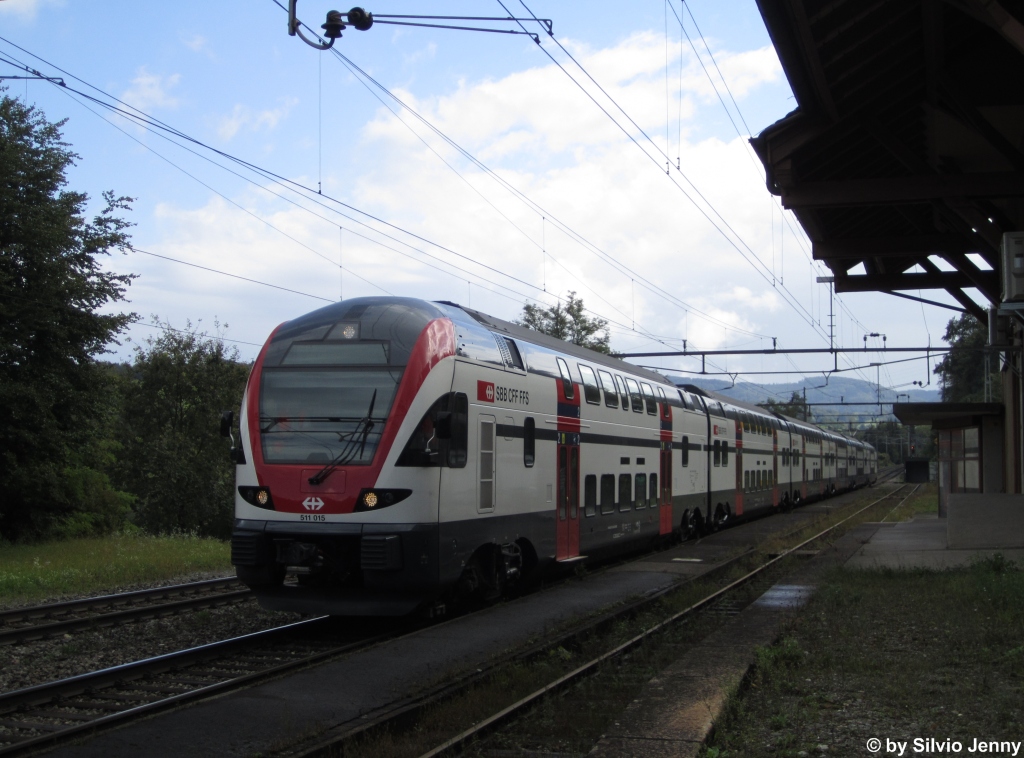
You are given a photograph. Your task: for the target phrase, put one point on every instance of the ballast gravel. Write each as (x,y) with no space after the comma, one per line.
(37,662)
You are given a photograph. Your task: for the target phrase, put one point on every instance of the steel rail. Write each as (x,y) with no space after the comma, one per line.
(589,666)
(410,707)
(10,633)
(59,693)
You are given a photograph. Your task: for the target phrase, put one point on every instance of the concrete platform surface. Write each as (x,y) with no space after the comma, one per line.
(919,544)
(990,520)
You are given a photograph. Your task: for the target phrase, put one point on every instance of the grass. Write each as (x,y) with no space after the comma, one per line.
(31,573)
(924,501)
(889,655)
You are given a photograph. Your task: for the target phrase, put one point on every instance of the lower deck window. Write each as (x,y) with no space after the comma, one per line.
(625,492)
(590,495)
(607,493)
(641,491)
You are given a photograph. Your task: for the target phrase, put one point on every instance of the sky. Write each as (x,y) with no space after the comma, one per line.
(486,169)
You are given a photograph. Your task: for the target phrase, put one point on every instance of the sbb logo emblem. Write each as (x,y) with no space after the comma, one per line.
(312,503)
(485,391)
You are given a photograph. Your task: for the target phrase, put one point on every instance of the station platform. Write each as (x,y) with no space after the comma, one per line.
(677,709)
(922,543)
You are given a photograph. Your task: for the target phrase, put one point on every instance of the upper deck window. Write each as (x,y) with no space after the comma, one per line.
(590,389)
(611,396)
(567,383)
(636,399)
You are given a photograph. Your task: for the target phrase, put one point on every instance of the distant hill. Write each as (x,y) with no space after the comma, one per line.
(838,390)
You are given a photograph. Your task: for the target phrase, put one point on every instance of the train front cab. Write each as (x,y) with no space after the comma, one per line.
(334,400)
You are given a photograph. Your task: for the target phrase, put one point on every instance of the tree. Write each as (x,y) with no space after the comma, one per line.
(795,407)
(568,322)
(174,460)
(55,320)
(962,370)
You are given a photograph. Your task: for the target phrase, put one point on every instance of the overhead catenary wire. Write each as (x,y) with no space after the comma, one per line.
(738,243)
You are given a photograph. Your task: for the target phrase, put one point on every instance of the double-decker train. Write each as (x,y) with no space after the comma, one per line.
(395,452)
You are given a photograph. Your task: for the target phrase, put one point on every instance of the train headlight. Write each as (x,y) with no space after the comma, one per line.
(258,496)
(375,499)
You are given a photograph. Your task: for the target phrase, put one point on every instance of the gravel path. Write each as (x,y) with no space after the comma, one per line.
(30,663)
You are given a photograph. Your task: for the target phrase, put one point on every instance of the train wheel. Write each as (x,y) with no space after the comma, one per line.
(722,514)
(699,524)
(688,525)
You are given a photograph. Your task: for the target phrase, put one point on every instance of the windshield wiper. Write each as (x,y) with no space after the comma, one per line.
(363,427)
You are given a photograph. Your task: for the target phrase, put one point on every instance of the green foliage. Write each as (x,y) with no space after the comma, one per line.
(174,459)
(962,370)
(795,407)
(93,566)
(54,320)
(568,322)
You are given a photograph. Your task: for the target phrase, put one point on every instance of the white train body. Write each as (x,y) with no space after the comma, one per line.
(490,451)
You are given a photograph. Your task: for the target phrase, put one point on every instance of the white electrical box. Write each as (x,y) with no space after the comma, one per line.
(1013,267)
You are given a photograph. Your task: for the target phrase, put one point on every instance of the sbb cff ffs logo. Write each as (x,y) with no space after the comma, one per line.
(485,391)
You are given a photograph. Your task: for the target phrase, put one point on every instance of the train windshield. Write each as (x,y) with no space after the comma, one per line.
(318,415)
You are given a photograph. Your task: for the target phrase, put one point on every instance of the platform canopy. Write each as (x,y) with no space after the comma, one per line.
(906,151)
(945,414)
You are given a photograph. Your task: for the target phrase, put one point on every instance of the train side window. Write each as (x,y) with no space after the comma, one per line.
(458,429)
(661,396)
(590,389)
(529,441)
(567,385)
(486,470)
(652,404)
(640,491)
(607,493)
(517,359)
(684,399)
(625,492)
(725,452)
(590,495)
(623,396)
(635,398)
(652,500)
(611,395)
(746,481)
(717,447)
(685,445)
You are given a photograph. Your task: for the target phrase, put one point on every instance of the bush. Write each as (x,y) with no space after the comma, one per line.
(174,460)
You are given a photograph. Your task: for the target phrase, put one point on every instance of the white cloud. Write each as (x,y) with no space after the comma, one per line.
(196,43)
(26,9)
(148,91)
(543,136)
(243,117)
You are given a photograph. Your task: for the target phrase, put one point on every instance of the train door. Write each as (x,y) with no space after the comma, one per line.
(665,467)
(568,508)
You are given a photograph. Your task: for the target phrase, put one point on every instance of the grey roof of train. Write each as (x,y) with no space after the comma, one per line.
(764,411)
(553,343)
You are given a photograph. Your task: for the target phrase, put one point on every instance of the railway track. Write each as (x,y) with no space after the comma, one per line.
(47,714)
(41,621)
(755,583)
(403,715)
